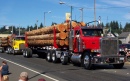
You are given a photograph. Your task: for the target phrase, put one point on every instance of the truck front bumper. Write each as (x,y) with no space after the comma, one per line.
(108,60)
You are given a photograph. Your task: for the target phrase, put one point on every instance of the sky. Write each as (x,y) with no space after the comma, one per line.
(30,12)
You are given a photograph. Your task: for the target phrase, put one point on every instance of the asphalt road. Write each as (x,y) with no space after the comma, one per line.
(39,68)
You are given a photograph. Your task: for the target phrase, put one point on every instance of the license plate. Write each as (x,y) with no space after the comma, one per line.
(121,58)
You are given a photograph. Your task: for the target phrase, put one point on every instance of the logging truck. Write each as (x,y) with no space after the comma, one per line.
(12,44)
(74,43)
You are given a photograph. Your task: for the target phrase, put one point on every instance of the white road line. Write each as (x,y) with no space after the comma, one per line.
(29,69)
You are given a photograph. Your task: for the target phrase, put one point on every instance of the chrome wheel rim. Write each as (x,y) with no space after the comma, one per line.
(53,57)
(48,56)
(86,60)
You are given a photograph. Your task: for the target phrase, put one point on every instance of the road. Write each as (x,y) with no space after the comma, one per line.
(39,68)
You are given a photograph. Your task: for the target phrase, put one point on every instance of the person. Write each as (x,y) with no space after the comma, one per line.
(23,76)
(125,51)
(4,71)
(128,53)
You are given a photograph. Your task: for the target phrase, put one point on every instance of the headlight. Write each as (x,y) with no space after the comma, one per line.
(96,50)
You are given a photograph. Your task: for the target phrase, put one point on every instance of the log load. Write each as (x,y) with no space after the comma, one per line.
(4,41)
(45,42)
(66,42)
(61,35)
(47,30)
(45,36)
(10,38)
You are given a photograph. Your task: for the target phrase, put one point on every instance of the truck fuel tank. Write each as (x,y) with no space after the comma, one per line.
(76,58)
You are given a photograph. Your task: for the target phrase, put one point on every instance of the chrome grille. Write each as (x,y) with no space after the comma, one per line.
(109,46)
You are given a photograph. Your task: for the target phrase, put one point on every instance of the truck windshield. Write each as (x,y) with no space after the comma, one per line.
(19,38)
(92,32)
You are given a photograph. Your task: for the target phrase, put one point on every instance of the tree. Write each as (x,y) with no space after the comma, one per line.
(53,23)
(127,27)
(41,25)
(35,26)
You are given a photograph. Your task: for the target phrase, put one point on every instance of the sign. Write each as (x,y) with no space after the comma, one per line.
(68,15)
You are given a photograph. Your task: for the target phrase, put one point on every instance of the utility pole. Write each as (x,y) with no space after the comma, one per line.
(95,12)
(12,29)
(19,30)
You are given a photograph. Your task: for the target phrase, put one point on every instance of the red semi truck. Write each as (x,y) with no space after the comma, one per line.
(87,47)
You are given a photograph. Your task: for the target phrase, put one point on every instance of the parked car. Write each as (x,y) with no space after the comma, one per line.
(121,49)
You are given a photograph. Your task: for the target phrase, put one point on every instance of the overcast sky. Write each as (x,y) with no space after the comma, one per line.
(27,12)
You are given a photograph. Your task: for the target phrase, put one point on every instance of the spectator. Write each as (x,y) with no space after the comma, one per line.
(23,76)
(4,71)
(5,78)
(125,51)
(128,53)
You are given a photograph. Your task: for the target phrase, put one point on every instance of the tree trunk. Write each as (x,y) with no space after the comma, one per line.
(61,35)
(45,42)
(66,42)
(47,30)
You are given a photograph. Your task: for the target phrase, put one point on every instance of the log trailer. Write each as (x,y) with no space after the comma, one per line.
(86,46)
(12,44)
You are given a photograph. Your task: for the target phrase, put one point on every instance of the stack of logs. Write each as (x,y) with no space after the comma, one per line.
(45,35)
(10,39)
(3,41)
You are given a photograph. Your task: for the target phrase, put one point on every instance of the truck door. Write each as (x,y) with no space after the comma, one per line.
(77,42)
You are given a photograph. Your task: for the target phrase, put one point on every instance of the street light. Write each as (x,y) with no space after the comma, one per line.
(70,33)
(81,14)
(12,29)
(44,16)
(70,12)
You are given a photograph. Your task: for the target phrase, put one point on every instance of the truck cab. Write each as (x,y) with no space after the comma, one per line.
(87,37)
(16,45)
(91,47)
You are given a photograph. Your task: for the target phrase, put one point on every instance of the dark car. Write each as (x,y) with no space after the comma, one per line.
(123,46)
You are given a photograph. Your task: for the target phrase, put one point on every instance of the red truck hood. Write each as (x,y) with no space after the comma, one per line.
(92,42)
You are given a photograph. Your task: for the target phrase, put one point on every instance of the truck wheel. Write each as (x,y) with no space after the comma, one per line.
(49,56)
(1,50)
(64,59)
(118,66)
(24,53)
(13,52)
(54,57)
(9,50)
(27,53)
(86,61)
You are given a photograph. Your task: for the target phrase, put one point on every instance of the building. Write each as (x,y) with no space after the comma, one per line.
(4,35)
(124,37)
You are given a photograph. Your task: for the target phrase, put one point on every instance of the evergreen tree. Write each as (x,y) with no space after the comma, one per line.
(35,26)
(41,25)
